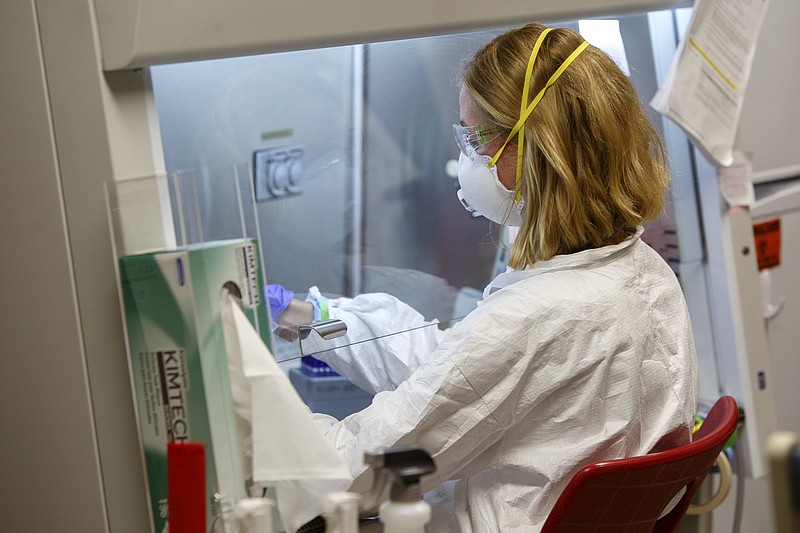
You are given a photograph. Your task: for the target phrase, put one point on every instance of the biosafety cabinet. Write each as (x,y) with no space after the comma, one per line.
(343,113)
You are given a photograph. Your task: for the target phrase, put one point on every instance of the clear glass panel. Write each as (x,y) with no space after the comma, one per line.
(181,244)
(350,168)
(213,204)
(352,158)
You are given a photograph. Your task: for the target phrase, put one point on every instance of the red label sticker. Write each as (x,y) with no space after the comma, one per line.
(768,243)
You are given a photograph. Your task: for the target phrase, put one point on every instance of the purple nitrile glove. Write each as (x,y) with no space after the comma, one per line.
(278,298)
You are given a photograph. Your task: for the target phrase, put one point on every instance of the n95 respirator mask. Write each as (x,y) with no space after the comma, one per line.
(483,193)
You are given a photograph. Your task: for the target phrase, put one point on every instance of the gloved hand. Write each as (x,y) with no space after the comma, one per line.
(279,298)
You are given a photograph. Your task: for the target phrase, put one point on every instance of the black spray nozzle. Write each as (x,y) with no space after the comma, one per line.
(406,465)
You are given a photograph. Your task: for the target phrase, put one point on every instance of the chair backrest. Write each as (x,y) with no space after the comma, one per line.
(630,494)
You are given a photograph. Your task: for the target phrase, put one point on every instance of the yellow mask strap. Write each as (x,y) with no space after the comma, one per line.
(523,104)
(526,110)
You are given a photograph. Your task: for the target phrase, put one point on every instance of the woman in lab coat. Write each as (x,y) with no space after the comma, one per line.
(582,351)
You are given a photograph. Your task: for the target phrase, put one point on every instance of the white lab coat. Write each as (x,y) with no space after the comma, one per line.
(581,358)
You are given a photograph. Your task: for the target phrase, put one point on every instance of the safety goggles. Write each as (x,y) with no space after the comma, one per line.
(470,138)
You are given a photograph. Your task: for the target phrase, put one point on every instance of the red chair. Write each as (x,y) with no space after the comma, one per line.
(629,495)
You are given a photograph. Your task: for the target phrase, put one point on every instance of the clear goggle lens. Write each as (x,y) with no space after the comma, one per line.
(470,138)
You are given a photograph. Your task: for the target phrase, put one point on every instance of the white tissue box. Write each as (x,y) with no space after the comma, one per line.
(178,362)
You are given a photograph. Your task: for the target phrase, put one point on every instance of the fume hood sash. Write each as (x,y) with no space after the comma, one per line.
(147,32)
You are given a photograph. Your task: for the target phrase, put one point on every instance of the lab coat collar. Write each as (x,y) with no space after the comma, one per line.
(563,262)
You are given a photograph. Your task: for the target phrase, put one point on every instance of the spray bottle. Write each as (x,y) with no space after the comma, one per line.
(405,511)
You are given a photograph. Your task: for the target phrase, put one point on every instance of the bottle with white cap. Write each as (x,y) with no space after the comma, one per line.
(341,512)
(254,515)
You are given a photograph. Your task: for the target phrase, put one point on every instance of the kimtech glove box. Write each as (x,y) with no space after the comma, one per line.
(178,362)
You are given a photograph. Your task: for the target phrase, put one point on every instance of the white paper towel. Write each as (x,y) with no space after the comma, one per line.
(288,451)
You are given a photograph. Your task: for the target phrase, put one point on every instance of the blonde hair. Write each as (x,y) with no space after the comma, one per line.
(593,165)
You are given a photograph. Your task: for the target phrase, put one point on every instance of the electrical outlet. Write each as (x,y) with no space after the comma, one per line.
(278,172)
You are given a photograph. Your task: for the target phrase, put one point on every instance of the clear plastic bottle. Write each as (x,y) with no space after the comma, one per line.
(341,512)
(254,515)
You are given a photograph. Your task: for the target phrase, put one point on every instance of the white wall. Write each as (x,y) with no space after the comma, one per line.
(48,447)
(69,448)
(769,130)
(770,123)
